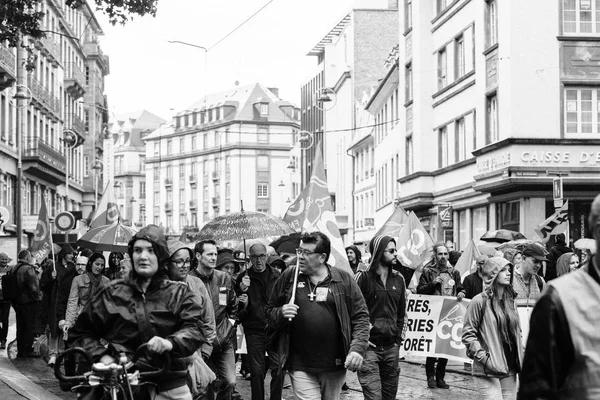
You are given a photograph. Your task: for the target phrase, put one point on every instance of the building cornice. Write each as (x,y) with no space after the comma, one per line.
(534,141)
(219,149)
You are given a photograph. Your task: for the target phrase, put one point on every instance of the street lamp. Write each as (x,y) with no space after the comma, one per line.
(70,141)
(96,165)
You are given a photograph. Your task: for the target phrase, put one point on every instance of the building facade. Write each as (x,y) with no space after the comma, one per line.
(125,165)
(227,150)
(499,99)
(64,100)
(350,61)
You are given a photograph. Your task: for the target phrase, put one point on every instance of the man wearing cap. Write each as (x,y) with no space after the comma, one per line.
(257,282)
(225,305)
(440,279)
(562,357)
(527,283)
(384,291)
(4,305)
(473,283)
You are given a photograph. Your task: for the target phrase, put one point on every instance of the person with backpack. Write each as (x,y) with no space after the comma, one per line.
(28,296)
(4,305)
(492,333)
(527,283)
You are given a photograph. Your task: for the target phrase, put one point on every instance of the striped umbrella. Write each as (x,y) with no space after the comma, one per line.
(113,237)
(244,225)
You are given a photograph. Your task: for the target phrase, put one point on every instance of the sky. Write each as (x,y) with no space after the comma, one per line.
(147,72)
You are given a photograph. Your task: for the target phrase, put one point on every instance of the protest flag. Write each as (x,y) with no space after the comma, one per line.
(414,249)
(467,263)
(107,212)
(393,226)
(313,211)
(42,237)
(551,225)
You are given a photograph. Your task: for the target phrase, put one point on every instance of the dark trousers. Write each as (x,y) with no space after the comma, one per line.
(222,363)
(379,373)
(4,313)
(431,370)
(258,363)
(26,314)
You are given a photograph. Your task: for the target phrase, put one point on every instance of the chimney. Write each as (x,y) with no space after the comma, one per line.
(274,90)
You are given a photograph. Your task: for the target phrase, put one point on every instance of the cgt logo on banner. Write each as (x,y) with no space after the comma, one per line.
(435,327)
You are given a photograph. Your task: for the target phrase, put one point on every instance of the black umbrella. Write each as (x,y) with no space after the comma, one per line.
(287,243)
(502,235)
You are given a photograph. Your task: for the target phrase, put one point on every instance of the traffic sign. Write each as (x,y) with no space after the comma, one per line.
(557,192)
(65,221)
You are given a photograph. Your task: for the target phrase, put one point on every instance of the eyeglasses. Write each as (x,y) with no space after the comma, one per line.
(304,252)
(180,263)
(391,251)
(481,263)
(256,257)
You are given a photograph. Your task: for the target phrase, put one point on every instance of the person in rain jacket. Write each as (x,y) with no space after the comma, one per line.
(492,333)
(149,308)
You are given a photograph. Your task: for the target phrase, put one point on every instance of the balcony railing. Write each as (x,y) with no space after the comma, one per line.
(8,61)
(216,200)
(76,123)
(43,96)
(74,73)
(35,147)
(51,46)
(168,181)
(215,176)
(192,178)
(193,204)
(168,206)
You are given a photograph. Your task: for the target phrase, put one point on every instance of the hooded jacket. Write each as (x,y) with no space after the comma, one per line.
(358,266)
(560,247)
(386,303)
(480,330)
(127,316)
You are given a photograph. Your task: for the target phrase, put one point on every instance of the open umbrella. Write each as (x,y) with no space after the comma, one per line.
(113,237)
(287,243)
(502,235)
(244,225)
(586,243)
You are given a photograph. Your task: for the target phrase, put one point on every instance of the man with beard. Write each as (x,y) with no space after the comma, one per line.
(385,294)
(439,279)
(527,283)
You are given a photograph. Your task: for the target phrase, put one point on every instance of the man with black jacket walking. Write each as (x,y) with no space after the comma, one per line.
(26,303)
(384,290)
(257,282)
(225,305)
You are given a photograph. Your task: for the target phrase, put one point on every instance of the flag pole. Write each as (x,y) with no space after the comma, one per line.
(293,298)
(50,234)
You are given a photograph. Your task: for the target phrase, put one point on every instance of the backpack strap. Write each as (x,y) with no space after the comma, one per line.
(539,282)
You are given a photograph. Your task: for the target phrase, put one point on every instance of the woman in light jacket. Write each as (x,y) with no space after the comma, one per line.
(492,333)
(84,286)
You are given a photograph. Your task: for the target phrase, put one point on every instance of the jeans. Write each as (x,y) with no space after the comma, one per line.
(379,373)
(258,363)
(495,388)
(318,385)
(223,364)
(4,313)
(178,393)
(25,326)
(431,370)
(56,344)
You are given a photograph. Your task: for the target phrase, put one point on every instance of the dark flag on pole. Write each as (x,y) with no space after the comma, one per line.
(42,244)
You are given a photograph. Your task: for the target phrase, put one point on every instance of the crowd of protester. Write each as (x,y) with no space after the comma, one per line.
(198,302)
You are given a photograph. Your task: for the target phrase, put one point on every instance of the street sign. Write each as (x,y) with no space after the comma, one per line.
(29,222)
(445,216)
(65,221)
(557,192)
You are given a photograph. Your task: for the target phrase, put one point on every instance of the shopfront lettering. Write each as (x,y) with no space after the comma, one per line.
(545,157)
(493,163)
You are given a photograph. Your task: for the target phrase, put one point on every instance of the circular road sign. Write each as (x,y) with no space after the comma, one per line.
(65,221)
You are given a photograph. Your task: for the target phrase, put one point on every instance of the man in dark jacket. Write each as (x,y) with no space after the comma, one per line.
(257,282)
(26,303)
(440,279)
(4,305)
(473,283)
(317,354)
(562,356)
(385,294)
(560,247)
(225,305)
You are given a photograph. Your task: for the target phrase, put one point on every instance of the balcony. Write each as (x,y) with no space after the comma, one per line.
(193,204)
(168,181)
(74,80)
(98,95)
(49,48)
(216,201)
(193,178)
(43,97)
(168,207)
(215,176)
(8,67)
(43,161)
(75,123)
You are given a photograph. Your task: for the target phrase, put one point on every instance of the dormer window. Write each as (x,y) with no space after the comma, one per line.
(264,109)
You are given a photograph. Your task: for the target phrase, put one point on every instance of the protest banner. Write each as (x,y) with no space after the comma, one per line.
(524,311)
(435,327)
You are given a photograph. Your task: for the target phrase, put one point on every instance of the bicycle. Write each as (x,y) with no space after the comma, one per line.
(114,378)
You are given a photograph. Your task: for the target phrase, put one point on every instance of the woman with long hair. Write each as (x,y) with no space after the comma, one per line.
(84,286)
(492,333)
(114,260)
(566,263)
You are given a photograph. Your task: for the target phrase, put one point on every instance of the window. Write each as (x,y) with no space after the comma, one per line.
(227,190)
(459,56)
(264,109)
(262,190)
(182,170)
(410,166)
(156,148)
(227,164)
(492,119)
(508,216)
(156,173)
(194,168)
(407,14)
(194,140)
(142,190)
(443,141)
(409,82)
(442,69)
(182,221)
(86,166)
(227,135)
(169,225)
(263,134)
(492,23)
(463,230)
(181,196)
(205,168)
(582,110)
(581,16)
(480,221)
(441,5)
(156,220)
(194,219)
(169,196)
(262,162)
(182,144)
(142,160)
(119,165)
(205,140)
(461,140)
(169,147)
(217,138)
(156,198)
(169,172)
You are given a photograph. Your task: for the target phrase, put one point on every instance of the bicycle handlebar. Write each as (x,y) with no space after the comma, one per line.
(166,363)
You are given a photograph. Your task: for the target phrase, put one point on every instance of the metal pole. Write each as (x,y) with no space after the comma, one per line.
(20,130)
